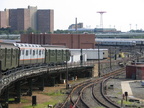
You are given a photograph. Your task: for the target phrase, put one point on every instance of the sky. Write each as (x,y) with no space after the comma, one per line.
(121,14)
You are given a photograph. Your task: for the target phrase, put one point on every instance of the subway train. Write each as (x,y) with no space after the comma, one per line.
(116,42)
(13,55)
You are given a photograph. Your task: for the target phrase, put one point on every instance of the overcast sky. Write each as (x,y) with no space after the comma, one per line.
(120,13)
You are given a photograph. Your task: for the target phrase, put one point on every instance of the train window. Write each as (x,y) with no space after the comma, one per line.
(47,52)
(1,54)
(8,54)
(58,52)
(39,52)
(52,52)
(33,52)
(26,52)
(64,52)
(14,53)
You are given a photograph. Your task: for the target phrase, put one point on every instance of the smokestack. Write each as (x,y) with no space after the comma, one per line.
(76,25)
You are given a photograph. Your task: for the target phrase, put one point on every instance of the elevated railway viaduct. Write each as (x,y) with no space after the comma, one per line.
(23,82)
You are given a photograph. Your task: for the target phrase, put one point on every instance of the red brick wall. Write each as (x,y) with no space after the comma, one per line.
(130,71)
(74,41)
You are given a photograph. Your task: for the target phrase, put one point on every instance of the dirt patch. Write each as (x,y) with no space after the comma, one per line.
(41,97)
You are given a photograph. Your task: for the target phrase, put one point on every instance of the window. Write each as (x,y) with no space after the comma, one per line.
(1,54)
(33,52)
(14,53)
(8,53)
(58,52)
(39,52)
(26,52)
(52,53)
(47,52)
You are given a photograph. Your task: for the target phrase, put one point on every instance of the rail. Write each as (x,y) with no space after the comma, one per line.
(11,76)
(14,75)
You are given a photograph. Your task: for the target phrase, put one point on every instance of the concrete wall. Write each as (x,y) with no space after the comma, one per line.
(95,71)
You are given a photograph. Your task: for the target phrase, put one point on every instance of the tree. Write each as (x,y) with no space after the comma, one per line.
(30,30)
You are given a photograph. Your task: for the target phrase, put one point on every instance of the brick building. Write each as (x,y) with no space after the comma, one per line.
(135,71)
(45,20)
(73,41)
(23,19)
(13,19)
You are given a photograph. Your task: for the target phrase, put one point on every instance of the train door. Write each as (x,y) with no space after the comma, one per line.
(3,58)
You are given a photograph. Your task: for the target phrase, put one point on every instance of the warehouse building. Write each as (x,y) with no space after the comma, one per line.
(72,41)
(135,71)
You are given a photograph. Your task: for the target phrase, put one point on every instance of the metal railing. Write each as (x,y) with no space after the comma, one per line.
(9,76)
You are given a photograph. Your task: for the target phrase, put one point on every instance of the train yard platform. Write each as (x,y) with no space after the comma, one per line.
(126,87)
(131,87)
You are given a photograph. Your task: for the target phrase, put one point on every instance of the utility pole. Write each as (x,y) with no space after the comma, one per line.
(81,58)
(67,85)
(110,58)
(99,73)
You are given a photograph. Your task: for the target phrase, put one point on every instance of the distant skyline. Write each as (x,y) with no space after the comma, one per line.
(121,14)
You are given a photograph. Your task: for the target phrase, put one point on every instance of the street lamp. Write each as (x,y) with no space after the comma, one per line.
(110,58)
(67,85)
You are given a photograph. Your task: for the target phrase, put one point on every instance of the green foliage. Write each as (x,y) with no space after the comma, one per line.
(136,31)
(9,31)
(11,99)
(125,102)
(56,93)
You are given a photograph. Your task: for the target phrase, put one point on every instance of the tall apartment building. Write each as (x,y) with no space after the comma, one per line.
(3,23)
(22,19)
(33,17)
(45,20)
(7,17)
(13,19)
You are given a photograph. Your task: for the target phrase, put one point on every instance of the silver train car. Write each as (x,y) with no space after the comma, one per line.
(113,42)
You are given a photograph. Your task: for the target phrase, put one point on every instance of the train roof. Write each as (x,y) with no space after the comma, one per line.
(56,46)
(10,45)
(117,40)
(26,45)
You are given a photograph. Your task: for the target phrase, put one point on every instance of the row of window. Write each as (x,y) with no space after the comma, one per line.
(8,54)
(39,52)
(32,52)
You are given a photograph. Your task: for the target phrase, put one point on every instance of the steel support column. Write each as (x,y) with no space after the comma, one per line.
(18,92)
(30,87)
(6,98)
(41,83)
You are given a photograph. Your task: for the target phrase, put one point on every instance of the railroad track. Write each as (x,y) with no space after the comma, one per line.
(91,93)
